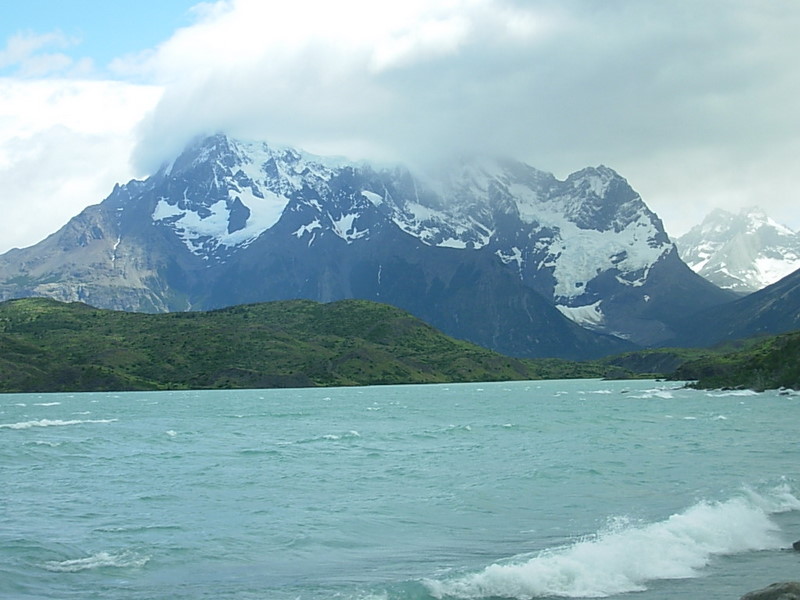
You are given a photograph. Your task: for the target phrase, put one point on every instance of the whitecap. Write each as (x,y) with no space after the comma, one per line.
(52,423)
(726,393)
(656,393)
(96,561)
(47,404)
(625,556)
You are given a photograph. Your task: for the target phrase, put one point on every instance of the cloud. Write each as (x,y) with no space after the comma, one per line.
(682,98)
(392,79)
(24,51)
(63,146)
(694,103)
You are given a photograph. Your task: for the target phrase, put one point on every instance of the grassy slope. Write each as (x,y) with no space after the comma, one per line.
(50,346)
(663,362)
(763,363)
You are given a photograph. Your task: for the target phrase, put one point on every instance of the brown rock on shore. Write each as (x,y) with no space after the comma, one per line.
(788,590)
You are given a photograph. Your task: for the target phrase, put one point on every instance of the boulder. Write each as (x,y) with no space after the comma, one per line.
(796,545)
(788,590)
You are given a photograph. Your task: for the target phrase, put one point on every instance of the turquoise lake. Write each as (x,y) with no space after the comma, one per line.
(639,490)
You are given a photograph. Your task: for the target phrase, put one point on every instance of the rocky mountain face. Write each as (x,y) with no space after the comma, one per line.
(743,252)
(772,310)
(492,251)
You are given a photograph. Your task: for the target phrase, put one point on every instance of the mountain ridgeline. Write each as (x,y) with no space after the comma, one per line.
(490,251)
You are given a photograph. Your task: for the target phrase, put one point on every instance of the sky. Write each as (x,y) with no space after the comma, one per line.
(694,103)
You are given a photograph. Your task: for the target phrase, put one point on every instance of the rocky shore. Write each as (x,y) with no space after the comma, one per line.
(788,590)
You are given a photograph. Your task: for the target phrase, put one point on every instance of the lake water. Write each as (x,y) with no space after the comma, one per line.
(633,490)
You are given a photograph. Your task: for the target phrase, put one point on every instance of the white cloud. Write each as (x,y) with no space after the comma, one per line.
(393,78)
(675,96)
(63,146)
(695,103)
(24,51)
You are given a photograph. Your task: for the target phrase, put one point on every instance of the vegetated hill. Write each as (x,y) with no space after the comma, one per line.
(46,345)
(655,362)
(663,362)
(768,363)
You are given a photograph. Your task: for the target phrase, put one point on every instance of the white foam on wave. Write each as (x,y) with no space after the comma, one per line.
(654,393)
(726,393)
(625,556)
(47,404)
(52,423)
(350,434)
(97,561)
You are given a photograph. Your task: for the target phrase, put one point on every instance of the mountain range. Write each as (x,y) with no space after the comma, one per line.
(492,251)
(742,252)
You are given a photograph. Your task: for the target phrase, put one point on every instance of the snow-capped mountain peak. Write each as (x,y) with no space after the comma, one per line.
(231,191)
(742,252)
(580,231)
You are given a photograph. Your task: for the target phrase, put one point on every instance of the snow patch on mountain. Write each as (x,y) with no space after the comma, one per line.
(580,254)
(207,231)
(376,199)
(345,227)
(513,254)
(590,316)
(444,228)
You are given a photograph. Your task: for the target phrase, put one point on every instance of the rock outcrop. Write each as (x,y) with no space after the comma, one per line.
(788,590)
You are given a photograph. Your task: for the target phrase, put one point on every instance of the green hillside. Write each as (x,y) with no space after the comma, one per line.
(51,346)
(766,363)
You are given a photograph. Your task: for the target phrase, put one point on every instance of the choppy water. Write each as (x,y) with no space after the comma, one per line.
(511,490)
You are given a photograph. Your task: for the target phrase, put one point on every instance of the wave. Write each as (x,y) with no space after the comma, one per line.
(52,423)
(662,393)
(625,556)
(727,393)
(97,561)
(328,437)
